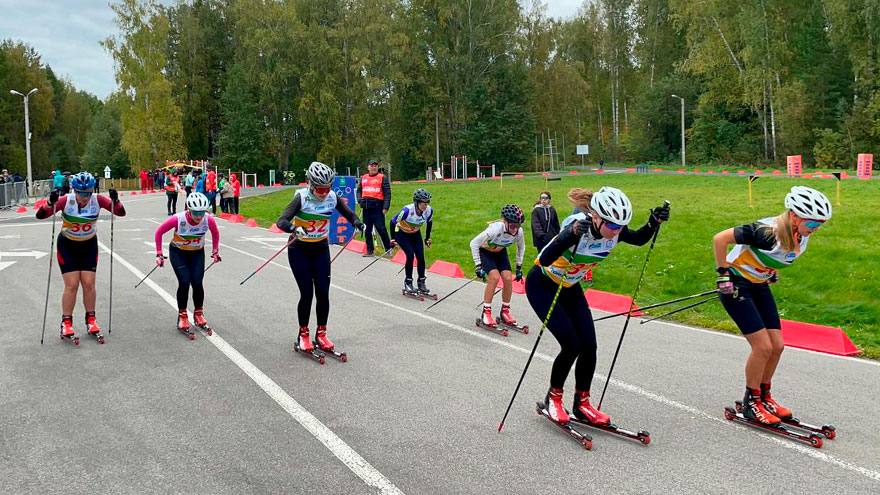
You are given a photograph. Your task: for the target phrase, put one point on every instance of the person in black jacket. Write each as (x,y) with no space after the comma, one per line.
(545,222)
(374,197)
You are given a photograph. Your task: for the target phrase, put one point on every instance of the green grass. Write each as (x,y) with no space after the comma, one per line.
(834,283)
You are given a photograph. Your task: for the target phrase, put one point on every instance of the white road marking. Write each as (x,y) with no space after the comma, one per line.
(810,451)
(5,264)
(23,254)
(357,464)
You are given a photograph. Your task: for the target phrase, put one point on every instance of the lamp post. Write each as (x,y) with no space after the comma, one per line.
(27,137)
(682,129)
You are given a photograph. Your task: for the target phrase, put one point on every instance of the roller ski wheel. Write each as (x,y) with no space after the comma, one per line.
(495,329)
(184,327)
(641,436)
(412,295)
(74,339)
(430,296)
(524,329)
(98,337)
(341,356)
(201,322)
(582,438)
(828,431)
(781,429)
(314,354)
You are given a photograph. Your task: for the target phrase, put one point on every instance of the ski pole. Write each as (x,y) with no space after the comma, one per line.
(645,308)
(49,278)
(532,354)
(493,297)
(374,261)
(451,293)
(629,313)
(148,274)
(112,218)
(292,239)
(689,306)
(209,266)
(343,247)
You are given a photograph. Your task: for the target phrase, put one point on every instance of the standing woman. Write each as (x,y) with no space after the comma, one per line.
(307,217)
(489,251)
(586,239)
(172,189)
(406,227)
(236,192)
(187,255)
(545,222)
(78,245)
(744,275)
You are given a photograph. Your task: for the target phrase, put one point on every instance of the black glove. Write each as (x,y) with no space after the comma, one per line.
(660,214)
(479,272)
(359,225)
(581,227)
(53,198)
(519,274)
(114,196)
(428,242)
(774,278)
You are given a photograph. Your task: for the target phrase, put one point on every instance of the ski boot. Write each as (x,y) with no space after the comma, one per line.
(323,343)
(93,328)
(754,410)
(67,331)
(775,408)
(201,322)
(410,291)
(183,325)
(424,291)
(505,319)
(753,413)
(304,345)
(487,322)
(587,415)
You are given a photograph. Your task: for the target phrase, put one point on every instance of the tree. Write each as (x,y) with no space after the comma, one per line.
(104,142)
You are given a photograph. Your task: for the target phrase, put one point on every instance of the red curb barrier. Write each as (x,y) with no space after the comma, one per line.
(251,222)
(821,338)
(447,269)
(357,246)
(21,209)
(610,302)
(400,258)
(572,172)
(274,228)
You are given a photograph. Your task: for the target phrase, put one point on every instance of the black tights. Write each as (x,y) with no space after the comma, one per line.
(172,202)
(189,266)
(413,248)
(572,325)
(310,263)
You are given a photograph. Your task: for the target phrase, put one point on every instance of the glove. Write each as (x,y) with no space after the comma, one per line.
(393,243)
(160,260)
(479,272)
(359,225)
(298,231)
(428,242)
(725,286)
(216,257)
(774,278)
(114,196)
(581,227)
(660,214)
(53,198)
(519,274)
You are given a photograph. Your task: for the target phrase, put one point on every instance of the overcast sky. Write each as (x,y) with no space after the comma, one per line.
(67,34)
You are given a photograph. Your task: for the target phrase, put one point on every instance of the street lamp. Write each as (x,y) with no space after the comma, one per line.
(682,129)
(27,137)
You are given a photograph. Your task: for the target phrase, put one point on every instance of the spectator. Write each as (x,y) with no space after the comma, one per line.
(57,180)
(211,189)
(200,183)
(188,183)
(5,177)
(545,222)
(143,176)
(236,192)
(225,194)
(374,197)
(160,179)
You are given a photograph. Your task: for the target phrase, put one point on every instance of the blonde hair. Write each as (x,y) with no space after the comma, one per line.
(783,230)
(580,198)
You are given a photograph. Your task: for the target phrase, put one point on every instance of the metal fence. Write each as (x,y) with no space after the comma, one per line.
(13,194)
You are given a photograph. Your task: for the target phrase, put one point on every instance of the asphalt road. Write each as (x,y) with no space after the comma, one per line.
(415,410)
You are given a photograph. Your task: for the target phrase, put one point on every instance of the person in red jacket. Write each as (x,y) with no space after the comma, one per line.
(143,181)
(211,189)
(236,192)
(374,197)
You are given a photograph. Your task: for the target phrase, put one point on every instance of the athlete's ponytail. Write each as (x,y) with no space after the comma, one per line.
(783,230)
(580,198)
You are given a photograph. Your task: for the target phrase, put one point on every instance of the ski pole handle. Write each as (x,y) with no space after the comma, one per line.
(148,274)
(291,241)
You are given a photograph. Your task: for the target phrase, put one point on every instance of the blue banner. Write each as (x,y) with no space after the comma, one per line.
(340,228)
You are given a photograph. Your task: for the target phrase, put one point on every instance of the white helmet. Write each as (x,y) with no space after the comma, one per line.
(612,205)
(197,202)
(808,203)
(319,174)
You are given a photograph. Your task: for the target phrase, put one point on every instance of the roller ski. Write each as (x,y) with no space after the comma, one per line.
(183,325)
(201,322)
(587,415)
(487,322)
(828,431)
(92,327)
(410,291)
(756,415)
(424,291)
(67,331)
(508,322)
(304,345)
(325,345)
(552,409)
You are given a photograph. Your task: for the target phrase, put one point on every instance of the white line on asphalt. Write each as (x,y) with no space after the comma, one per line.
(812,452)
(357,464)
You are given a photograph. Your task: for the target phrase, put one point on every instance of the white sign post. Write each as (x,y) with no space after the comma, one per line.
(583,149)
(107,172)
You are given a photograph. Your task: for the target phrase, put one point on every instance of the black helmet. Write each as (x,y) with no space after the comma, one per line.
(513,214)
(421,196)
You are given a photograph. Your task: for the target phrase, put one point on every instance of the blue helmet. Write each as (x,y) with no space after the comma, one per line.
(82,181)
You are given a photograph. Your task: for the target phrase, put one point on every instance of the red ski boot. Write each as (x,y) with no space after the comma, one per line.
(487,322)
(772,406)
(754,410)
(201,322)
(93,328)
(321,339)
(505,316)
(555,410)
(303,343)
(67,331)
(183,325)
(585,411)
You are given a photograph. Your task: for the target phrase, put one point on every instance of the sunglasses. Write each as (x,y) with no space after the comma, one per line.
(612,226)
(84,194)
(545,197)
(322,189)
(813,224)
